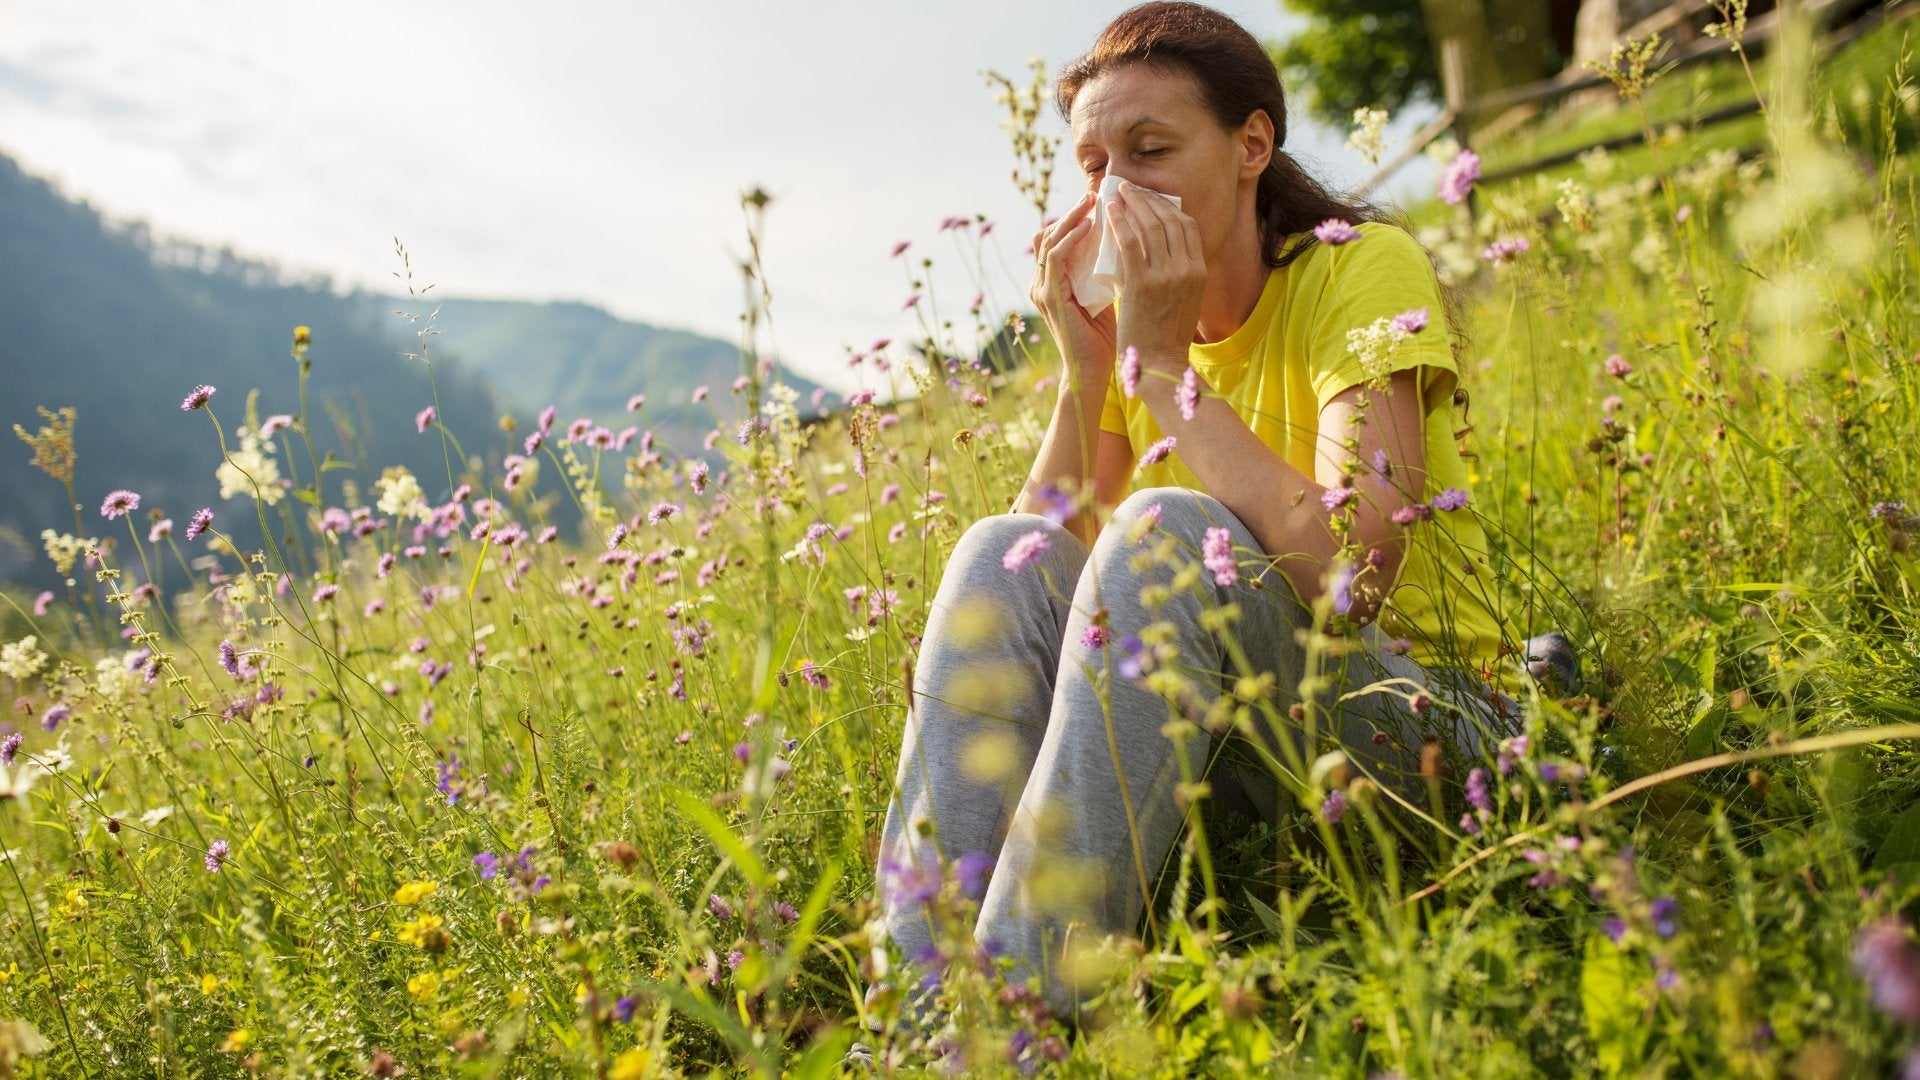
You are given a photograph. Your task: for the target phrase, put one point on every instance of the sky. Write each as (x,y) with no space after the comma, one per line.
(585,150)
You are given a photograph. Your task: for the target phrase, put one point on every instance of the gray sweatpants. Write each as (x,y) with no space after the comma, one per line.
(1032,744)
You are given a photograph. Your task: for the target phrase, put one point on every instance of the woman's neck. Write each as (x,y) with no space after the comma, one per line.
(1234,284)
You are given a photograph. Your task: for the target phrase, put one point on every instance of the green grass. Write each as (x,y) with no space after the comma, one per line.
(649,766)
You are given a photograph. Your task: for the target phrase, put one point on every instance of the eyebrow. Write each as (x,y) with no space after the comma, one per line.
(1144,121)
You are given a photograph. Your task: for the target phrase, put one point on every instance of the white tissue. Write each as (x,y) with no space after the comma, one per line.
(1096,282)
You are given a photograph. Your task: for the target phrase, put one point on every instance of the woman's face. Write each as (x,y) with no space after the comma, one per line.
(1150,125)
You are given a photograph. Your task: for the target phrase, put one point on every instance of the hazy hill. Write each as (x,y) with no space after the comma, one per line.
(105,318)
(587,362)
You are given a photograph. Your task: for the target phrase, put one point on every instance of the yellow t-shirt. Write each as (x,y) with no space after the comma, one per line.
(1289,359)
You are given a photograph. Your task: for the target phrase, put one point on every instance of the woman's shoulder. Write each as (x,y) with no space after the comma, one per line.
(1377,243)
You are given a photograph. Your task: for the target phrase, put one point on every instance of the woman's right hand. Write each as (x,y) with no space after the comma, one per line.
(1086,342)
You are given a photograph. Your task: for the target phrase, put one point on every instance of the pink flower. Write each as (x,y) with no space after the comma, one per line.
(1451,499)
(424,419)
(275,424)
(1158,452)
(200,522)
(1407,515)
(1411,322)
(912,302)
(1096,636)
(325,593)
(160,531)
(699,394)
(41,603)
(198,399)
(1187,395)
(1505,251)
(1461,172)
(1334,232)
(119,503)
(900,248)
(1336,497)
(1130,371)
(1025,551)
(634,402)
(1618,367)
(1217,556)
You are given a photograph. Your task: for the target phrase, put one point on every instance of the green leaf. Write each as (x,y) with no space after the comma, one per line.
(731,846)
(1610,1001)
(1902,844)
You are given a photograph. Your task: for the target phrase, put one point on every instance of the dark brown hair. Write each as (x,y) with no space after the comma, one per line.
(1236,77)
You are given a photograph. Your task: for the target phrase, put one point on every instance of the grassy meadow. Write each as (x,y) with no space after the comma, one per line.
(433,786)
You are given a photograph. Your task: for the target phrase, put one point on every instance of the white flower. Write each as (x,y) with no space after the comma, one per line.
(400,494)
(248,471)
(62,548)
(115,683)
(23,659)
(156,815)
(1368,138)
(17,781)
(1574,206)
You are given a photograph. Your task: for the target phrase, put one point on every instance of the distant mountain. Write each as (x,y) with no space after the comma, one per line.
(587,362)
(107,319)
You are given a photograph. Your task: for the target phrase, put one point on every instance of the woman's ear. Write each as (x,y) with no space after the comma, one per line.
(1256,141)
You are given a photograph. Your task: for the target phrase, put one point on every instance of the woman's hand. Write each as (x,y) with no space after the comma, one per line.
(1163,276)
(1086,341)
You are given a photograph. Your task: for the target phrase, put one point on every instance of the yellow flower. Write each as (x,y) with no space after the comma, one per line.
(413,892)
(426,932)
(9,972)
(424,985)
(209,982)
(303,335)
(237,1041)
(632,1064)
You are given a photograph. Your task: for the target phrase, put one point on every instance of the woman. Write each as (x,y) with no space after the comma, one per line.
(1035,736)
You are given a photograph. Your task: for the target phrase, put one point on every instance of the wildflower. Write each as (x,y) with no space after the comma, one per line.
(1409,322)
(661,512)
(972,871)
(413,892)
(1342,590)
(1217,555)
(1618,367)
(699,395)
(55,715)
(720,908)
(1158,452)
(1458,180)
(1887,960)
(1187,394)
(424,986)
(118,503)
(160,530)
(1407,515)
(683,738)
(786,912)
(624,1009)
(1469,824)
(424,419)
(912,302)
(1334,232)
(10,748)
(1451,499)
(1615,928)
(1477,795)
(1662,913)
(274,425)
(325,593)
(201,520)
(911,884)
(42,603)
(1335,498)
(1501,252)
(1025,551)
(1368,136)
(22,659)
(198,399)
(1333,807)
(900,248)
(216,856)
(1130,371)
(427,933)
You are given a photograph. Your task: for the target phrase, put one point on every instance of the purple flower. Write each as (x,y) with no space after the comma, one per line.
(1614,927)
(1158,452)
(624,1009)
(786,913)
(119,503)
(488,864)
(1025,551)
(1887,960)
(1130,371)
(216,851)
(424,419)
(1461,172)
(202,520)
(1407,515)
(1501,252)
(742,752)
(1335,498)
(1333,807)
(1451,499)
(972,871)
(1334,232)
(1132,662)
(55,715)
(661,512)
(1055,505)
(1187,394)
(720,908)
(1662,913)
(198,399)
(1618,367)
(325,593)
(735,959)
(1410,322)
(10,747)
(911,884)
(450,783)
(1342,589)
(1096,636)
(1477,794)
(229,659)
(1217,555)
(1888,511)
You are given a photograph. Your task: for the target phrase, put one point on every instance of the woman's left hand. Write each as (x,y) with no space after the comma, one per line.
(1162,276)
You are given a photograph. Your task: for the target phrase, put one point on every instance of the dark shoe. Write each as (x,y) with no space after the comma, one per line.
(1552,663)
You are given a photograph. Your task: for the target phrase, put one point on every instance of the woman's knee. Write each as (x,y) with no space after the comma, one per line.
(995,548)
(1182,512)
